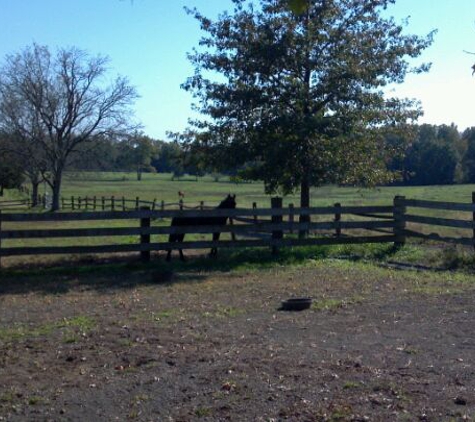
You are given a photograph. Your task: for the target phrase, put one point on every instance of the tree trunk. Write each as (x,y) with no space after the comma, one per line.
(34,193)
(55,205)
(304,203)
(1,190)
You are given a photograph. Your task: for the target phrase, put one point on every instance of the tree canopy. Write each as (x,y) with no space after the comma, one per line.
(299,91)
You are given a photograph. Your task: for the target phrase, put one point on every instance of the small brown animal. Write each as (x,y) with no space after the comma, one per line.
(181,194)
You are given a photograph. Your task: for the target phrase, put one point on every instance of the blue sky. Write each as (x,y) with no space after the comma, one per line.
(147,41)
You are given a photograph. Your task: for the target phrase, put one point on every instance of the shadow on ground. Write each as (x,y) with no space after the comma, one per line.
(126,272)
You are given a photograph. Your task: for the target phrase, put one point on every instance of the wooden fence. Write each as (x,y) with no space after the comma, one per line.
(15,205)
(274,227)
(409,219)
(99,203)
(111,203)
(102,203)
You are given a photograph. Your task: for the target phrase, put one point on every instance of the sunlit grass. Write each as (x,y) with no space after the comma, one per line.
(70,326)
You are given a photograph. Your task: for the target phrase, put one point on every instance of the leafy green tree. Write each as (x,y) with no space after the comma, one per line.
(11,175)
(469,157)
(195,163)
(178,164)
(401,143)
(300,93)
(169,159)
(18,148)
(449,137)
(136,153)
(432,159)
(98,155)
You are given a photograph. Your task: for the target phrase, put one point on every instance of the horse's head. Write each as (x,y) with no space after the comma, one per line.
(228,202)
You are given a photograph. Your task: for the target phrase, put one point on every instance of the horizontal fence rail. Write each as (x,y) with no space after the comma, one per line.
(436,205)
(466,225)
(14,204)
(130,215)
(238,230)
(114,203)
(147,228)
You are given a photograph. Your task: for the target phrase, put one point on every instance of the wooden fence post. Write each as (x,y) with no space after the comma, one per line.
(62,203)
(304,219)
(233,235)
(0,239)
(112,203)
(473,217)
(137,200)
(291,217)
(103,203)
(202,205)
(254,206)
(79,202)
(145,238)
(123,204)
(399,211)
(94,201)
(72,203)
(181,204)
(276,204)
(337,219)
(154,204)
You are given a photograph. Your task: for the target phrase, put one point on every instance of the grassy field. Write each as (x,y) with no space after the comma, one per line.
(162,188)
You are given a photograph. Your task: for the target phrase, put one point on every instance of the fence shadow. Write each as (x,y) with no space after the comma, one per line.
(126,272)
(102,276)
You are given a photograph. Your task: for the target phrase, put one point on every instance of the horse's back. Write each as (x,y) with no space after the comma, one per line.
(198,221)
(184,221)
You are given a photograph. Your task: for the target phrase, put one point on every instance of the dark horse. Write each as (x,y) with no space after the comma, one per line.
(228,203)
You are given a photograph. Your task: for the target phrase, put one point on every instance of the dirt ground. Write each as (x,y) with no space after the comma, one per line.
(153,344)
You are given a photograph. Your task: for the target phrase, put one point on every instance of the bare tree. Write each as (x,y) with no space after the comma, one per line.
(56,102)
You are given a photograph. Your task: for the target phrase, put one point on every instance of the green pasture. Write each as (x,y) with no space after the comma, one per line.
(207,189)
(161,188)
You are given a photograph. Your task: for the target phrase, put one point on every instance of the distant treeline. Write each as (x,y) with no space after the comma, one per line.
(432,155)
(143,154)
(436,155)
